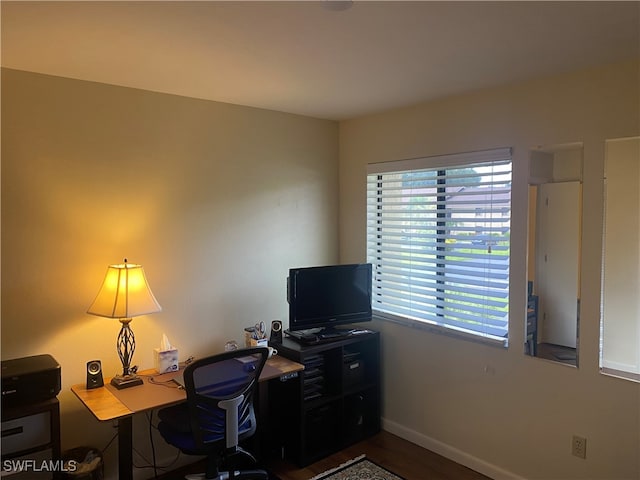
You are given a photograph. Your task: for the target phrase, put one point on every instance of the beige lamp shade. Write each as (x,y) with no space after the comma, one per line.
(125,293)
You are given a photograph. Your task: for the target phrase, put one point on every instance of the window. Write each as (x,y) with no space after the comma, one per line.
(438,236)
(620,303)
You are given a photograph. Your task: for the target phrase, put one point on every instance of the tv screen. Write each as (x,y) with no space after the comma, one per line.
(323,297)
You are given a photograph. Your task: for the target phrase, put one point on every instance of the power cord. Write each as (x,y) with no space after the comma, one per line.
(153,463)
(102,451)
(187,361)
(171,383)
(153,447)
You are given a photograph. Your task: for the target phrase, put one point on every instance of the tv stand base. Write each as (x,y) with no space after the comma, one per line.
(312,337)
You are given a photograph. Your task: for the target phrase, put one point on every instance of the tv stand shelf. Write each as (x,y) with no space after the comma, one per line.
(337,400)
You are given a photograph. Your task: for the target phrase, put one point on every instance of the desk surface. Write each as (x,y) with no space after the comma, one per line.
(108,403)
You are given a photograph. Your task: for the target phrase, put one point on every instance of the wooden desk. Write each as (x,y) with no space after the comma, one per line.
(108,403)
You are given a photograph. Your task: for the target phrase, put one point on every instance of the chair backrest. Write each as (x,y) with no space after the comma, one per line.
(220,391)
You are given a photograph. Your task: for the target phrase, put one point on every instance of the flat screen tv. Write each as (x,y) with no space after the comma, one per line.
(328,296)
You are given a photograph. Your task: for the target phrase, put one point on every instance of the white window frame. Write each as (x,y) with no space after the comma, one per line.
(413,259)
(620,303)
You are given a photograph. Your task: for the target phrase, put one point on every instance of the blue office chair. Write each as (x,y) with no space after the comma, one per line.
(218,413)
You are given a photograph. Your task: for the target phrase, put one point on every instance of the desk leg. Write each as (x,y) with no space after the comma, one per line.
(261,439)
(125,448)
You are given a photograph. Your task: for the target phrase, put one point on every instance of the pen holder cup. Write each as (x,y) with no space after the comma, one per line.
(252,342)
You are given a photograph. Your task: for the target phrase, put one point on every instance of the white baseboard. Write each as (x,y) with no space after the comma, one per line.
(449,452)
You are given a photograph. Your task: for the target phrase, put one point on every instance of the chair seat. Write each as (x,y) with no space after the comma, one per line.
(175,428)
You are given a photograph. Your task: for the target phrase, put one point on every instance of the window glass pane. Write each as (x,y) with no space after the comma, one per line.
(439,241)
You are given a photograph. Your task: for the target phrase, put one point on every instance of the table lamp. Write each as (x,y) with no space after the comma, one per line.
(125,294)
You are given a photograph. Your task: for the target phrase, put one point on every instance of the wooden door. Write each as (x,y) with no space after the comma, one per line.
(557,261)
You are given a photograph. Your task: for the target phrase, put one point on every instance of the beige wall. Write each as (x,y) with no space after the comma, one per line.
(498,410)
(216,201)
(214,198)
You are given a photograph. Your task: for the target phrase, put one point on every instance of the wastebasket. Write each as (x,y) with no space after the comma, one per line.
(83,463)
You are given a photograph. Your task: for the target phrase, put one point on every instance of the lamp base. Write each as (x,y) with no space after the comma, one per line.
(126,381)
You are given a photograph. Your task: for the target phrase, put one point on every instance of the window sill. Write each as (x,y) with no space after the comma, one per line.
(441,330)
(629,376)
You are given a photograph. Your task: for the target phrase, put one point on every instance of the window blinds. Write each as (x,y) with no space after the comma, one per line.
(438,238)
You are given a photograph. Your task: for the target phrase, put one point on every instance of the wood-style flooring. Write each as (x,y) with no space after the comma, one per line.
(391,452)
(557,353)
(387,450)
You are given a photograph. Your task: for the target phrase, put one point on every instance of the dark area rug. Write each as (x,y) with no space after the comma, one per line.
(360,468)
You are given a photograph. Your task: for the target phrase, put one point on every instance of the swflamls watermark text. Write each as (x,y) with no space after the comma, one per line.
(30,465)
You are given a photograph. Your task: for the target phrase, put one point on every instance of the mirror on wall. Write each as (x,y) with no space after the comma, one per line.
(620,322)
(553,253)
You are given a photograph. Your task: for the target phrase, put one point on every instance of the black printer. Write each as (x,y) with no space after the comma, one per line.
(29,380)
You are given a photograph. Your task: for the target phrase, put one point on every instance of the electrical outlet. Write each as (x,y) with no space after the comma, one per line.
(579,447)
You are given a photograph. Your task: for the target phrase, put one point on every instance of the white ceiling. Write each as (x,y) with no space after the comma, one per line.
(304,58)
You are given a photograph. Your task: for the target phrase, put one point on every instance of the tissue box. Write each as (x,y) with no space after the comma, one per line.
(166,360)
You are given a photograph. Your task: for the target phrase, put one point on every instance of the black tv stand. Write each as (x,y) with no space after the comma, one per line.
(335,401)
